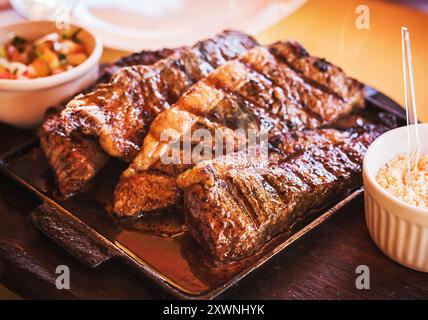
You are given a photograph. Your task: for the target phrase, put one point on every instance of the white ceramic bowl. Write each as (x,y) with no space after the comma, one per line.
(399,229)
(23,102)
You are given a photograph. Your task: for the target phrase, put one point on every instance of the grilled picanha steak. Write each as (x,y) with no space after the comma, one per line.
(319,71)
(119,113)
(76,158)
(259,90)
(235,204)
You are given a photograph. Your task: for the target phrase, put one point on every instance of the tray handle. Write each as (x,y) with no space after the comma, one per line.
(379,100)
(78,239)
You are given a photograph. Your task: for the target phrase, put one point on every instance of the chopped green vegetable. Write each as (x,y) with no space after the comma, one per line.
(73,35)
(62,58)
(18,41)
(37,52)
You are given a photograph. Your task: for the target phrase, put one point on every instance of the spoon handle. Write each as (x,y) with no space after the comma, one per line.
(410,100)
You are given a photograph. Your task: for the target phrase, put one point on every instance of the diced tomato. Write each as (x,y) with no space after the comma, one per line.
(6,74)
(76,58)
(14,55)
(38,68)
(45,46)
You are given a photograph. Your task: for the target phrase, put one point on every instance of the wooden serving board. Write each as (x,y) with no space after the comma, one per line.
(157,247)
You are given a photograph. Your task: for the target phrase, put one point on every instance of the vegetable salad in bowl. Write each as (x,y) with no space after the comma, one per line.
(51,54)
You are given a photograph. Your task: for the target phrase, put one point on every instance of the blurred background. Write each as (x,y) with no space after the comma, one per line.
(417,4)
(326,28)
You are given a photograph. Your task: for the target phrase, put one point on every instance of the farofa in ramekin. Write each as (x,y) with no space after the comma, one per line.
(414,189)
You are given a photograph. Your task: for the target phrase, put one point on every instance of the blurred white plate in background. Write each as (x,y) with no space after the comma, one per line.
(136,24)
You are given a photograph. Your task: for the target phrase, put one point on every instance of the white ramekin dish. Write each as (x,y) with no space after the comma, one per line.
(399,229)
(23,102)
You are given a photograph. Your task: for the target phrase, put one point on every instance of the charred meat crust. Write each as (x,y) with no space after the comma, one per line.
(320,72)
(258,90)
(76,158)
(137,185)
(235,205)
(120,112)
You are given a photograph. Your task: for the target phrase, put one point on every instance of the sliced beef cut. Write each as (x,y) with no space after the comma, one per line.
(256,91)
(76,158)
(236,204)
(119,113)
(319,71)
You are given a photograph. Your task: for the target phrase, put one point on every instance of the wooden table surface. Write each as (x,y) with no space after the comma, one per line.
(323,264)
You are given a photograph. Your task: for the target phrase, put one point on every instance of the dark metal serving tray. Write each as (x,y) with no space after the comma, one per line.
(158,247)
